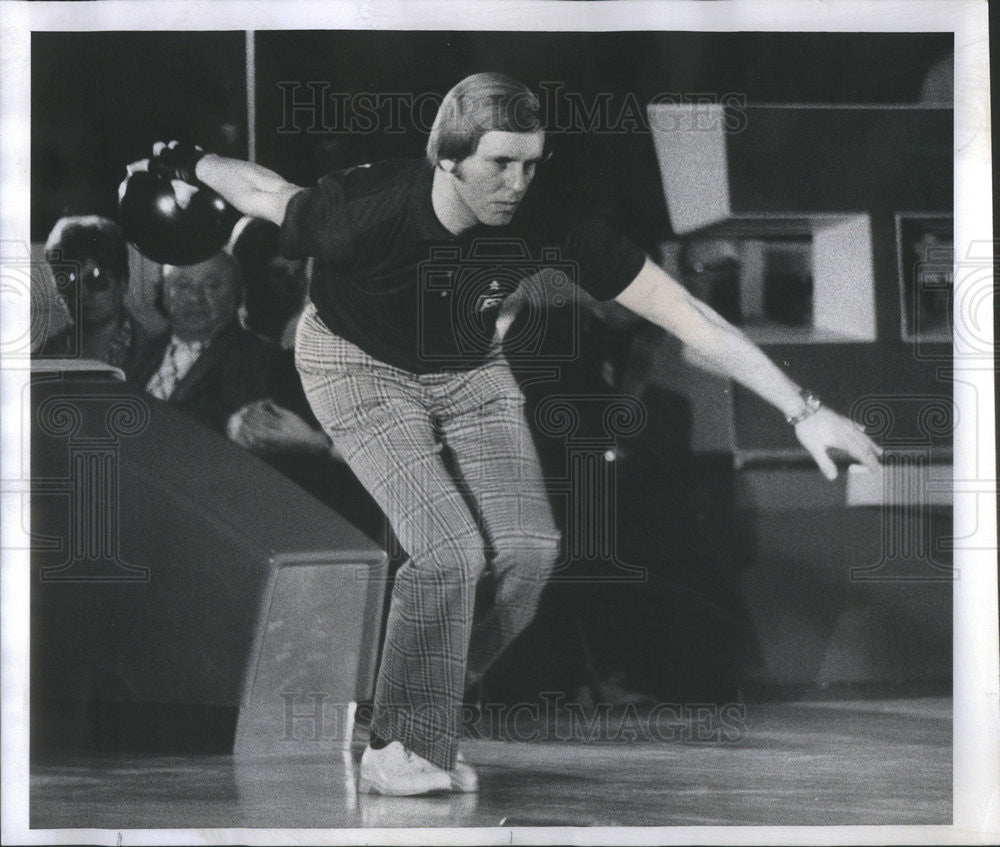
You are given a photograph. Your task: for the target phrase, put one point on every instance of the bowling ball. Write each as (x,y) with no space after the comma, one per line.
(165,232)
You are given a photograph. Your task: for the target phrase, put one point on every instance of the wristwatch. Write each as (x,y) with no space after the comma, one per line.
(810,405)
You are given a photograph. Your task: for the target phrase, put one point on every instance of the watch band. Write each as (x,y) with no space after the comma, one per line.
(810,405)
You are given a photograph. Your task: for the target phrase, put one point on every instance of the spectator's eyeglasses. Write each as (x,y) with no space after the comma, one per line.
(95,279)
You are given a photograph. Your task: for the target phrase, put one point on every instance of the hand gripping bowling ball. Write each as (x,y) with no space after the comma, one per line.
(164,231)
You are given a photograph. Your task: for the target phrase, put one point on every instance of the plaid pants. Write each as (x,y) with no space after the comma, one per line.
(488,511)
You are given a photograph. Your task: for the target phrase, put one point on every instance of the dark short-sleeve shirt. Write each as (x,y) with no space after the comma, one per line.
(390,278)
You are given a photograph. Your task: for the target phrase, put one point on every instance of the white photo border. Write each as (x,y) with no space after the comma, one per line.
(976,799)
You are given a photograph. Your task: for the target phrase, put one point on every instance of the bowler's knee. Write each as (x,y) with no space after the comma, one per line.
(523,569)
(460,559)
(529,557)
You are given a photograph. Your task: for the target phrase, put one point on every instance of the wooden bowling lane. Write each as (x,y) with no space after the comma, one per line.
(820,763)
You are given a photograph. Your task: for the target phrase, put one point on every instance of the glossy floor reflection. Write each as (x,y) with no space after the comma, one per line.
(822,763)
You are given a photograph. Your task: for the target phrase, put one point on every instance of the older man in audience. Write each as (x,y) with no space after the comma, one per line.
(208,366)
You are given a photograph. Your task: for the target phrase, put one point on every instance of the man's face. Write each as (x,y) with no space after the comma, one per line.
(95,294)
(201,299)
(491,183)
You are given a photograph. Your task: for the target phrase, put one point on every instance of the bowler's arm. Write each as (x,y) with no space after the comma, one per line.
(657,297)
(252,189)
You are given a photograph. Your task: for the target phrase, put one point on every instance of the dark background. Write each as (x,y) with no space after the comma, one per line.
(100,99)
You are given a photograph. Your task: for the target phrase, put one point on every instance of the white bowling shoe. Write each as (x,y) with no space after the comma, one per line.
(398,772)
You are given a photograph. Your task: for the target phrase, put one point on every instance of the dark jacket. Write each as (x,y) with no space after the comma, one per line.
(236,368)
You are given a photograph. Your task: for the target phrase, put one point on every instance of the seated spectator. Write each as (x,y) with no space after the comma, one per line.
(207,365)
(241,385)
(89,259)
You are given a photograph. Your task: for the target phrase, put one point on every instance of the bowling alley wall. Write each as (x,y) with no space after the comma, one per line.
(816,166)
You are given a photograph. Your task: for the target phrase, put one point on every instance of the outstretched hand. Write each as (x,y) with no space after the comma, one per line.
(825,430)
(265,427)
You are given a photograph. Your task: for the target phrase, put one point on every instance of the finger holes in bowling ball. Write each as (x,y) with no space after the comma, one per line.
(164,231)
